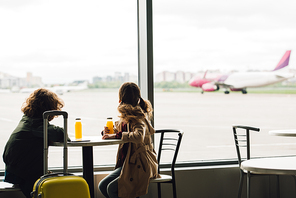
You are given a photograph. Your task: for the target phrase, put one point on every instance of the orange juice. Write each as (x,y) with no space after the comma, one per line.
(110,125)
(78,129)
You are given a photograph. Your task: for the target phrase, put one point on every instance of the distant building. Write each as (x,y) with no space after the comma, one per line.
(188,76)
(178,76)
(8,82)
(165,76)
(33,81)
(97,79)
(126,77)
(132,78)
(118,77)
(109,79)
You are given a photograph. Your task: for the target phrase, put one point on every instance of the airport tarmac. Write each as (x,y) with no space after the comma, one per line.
(206,119)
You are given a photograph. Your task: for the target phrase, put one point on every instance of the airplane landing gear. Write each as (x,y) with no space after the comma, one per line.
(244,91)
(226,92)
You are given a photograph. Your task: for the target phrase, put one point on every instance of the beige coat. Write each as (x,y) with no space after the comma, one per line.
(140,163)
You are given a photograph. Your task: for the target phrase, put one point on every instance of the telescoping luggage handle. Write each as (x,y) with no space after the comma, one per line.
(45,150)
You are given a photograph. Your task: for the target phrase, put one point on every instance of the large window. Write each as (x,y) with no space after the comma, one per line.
(191,37)
(62,44)
(66,45)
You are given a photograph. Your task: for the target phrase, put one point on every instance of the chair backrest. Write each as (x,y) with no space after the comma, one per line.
(242,140)
(170,140)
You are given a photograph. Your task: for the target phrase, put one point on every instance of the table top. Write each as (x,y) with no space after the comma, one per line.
(90,141)
(284,132)
(4,186)
(272,165)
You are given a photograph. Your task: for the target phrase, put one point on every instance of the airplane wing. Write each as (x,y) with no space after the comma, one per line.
(221,81)
(214,86)
(222,84)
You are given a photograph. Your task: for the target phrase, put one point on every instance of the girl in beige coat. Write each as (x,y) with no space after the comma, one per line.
(136,159)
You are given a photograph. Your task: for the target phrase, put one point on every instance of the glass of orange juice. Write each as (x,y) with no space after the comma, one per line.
(78,129)
(110,125)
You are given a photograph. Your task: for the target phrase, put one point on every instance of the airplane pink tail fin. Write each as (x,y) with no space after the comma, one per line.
(284,61)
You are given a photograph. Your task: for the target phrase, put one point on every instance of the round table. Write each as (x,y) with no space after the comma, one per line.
(87,145)
(284,132)
(271,165)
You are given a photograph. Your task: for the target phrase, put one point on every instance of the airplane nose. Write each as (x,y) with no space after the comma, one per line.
(195,83)
(198,82)
(192,83)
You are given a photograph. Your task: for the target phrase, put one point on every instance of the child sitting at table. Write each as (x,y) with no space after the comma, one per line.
(23,153)
(136,159)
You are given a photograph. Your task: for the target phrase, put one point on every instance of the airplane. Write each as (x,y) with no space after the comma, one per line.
(60,89)
(239,81)
(69,88)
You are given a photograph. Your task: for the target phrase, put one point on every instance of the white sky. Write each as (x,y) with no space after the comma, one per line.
(66,40)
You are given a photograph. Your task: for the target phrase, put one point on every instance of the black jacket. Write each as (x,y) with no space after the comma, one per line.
(23,153)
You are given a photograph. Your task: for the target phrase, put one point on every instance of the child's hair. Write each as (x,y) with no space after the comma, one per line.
(130,94)
(39,101)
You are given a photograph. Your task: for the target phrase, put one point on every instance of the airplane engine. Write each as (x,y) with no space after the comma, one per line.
(209,87)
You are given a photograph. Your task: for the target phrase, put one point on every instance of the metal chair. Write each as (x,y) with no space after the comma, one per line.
(170,140)
(242,140)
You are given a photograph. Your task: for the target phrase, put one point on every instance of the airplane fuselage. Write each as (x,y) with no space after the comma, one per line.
(255,79)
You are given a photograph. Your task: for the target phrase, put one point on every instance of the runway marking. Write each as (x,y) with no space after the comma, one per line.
(254,145)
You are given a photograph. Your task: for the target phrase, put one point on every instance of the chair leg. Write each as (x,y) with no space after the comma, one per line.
(159,190)
(174,189)
(294,176)
(241,181)
(248,185)
(278,186)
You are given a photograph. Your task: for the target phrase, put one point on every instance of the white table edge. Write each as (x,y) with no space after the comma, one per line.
(245,165)
(283,132)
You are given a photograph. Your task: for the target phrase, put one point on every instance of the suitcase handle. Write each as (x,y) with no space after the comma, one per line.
(54,113)
(46,114)
(37,184)
(55,175)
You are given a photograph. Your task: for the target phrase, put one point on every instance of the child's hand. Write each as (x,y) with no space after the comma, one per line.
(109,136)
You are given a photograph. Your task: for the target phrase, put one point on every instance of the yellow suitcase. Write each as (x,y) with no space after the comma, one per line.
(59,185)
